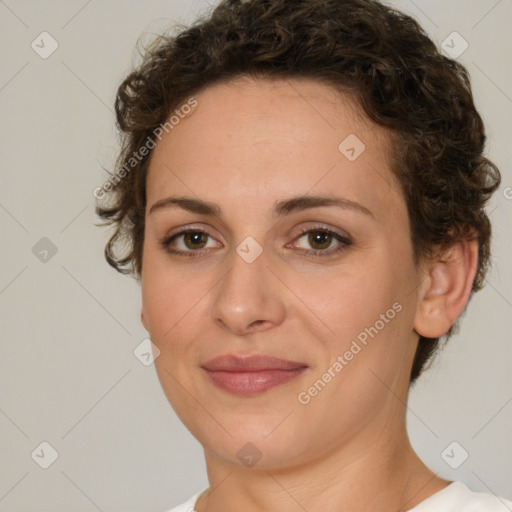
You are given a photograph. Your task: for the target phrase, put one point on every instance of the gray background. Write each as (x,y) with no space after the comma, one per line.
(69,326)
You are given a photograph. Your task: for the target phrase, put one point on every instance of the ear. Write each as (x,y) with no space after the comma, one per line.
(446,288)
(143,319)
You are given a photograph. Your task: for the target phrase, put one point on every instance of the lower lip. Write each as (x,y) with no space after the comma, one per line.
(252,383)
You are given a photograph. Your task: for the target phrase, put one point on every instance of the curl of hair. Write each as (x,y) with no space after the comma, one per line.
(380,56)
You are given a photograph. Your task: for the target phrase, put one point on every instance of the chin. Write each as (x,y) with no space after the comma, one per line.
(263,443)
(263,454)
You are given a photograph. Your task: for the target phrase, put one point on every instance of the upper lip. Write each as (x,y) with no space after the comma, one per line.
(250,363)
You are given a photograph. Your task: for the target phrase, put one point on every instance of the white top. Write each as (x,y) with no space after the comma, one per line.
(456,497)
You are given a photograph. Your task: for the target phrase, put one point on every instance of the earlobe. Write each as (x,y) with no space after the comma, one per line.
(143,319)
(446,289)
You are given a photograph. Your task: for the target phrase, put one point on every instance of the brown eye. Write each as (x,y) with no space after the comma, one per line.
(321,242)
(195,239)
(190,242)
(319,239)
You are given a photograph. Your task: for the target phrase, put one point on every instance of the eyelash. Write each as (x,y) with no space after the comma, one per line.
(317,253)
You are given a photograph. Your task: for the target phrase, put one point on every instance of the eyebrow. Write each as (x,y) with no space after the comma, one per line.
(280,209)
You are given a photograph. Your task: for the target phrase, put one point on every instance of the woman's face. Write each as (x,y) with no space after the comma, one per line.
(331,288)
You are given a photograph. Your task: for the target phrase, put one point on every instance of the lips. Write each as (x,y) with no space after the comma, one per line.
(250,363)
(251,374)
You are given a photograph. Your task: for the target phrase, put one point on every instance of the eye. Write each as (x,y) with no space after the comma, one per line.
(195,242)
(323,241)
(189,242)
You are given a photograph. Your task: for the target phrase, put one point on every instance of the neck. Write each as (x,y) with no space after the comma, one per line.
(376,473)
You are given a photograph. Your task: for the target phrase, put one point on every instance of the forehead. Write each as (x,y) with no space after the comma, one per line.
(248,108)
(260,138)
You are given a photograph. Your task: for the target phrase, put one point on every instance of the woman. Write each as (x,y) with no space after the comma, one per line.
(302,190)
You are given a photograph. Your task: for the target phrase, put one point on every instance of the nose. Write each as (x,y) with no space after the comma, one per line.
(249,298)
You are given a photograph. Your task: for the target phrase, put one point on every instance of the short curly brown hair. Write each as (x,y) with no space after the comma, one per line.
(378,55)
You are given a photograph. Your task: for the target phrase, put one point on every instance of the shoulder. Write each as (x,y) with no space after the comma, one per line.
(457,497)
(188,506)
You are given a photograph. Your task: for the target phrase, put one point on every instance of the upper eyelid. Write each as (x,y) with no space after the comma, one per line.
(194,227)
(184,230)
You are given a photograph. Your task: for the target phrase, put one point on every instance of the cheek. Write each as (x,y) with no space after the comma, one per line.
(352,300)
(172,306)
(169,297)
(368,312)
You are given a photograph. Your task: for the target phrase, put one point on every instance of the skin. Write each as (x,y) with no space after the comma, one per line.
(250,143)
